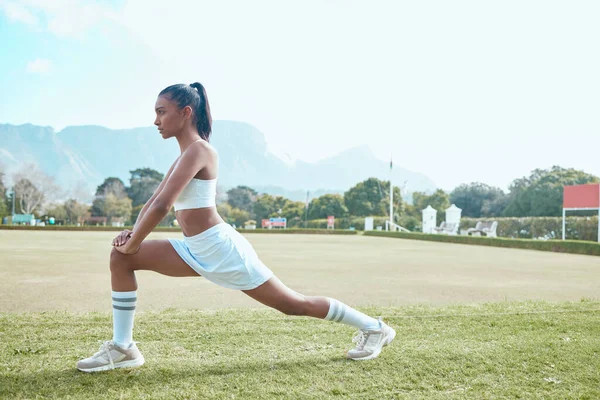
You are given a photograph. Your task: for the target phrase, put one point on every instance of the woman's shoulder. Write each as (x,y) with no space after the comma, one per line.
(202,146)
(207,147)
(202,149)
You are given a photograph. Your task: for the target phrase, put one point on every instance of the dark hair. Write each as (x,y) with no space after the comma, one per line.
(193,95)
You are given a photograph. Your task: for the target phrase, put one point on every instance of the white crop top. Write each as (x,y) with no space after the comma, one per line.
(199,193)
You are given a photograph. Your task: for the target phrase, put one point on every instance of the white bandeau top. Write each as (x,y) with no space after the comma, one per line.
(199,193)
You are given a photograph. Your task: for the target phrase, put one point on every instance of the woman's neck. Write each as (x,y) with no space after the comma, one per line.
(187,138)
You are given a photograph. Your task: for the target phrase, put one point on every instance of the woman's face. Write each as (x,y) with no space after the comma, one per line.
(170,119)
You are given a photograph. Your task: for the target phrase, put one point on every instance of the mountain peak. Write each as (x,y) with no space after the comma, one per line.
(362,152)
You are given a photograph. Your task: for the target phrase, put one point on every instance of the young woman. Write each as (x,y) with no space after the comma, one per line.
(210,248)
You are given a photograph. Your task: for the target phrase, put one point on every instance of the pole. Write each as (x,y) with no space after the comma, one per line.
(306,211)
(563,225)
(391,197)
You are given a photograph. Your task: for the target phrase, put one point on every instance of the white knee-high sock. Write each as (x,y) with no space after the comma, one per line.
(340,312)
(123,314)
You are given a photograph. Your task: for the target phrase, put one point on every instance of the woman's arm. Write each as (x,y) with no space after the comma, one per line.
(193,160)
(154,195)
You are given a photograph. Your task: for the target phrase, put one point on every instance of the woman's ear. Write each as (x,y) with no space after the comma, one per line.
(187,112)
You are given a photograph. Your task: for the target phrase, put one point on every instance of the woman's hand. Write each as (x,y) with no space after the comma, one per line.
(128,248)
(122,238)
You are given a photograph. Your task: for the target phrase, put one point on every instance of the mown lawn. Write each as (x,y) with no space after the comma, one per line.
(497,350)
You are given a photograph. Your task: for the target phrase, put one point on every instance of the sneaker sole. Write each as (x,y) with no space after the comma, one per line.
(376,353)
(124,364)
(390,337)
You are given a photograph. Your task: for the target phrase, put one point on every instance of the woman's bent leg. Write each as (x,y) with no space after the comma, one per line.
(154,255)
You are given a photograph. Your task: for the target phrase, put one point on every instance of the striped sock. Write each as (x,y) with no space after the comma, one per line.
(123,313)
(339,312)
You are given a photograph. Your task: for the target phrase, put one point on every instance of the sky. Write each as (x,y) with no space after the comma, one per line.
(461,91)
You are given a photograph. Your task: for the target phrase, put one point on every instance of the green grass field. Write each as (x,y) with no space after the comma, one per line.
(472,322)
(502,350)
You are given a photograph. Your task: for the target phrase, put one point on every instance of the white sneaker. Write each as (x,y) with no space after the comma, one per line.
(112,356)
(369,342)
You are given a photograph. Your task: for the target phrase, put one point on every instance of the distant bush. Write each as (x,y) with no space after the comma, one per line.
(560,246)
(176,229)
(81,228)
(578,228)
(299,231)
(357,223)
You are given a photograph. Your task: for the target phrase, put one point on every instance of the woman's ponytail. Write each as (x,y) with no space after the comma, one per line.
(203,117)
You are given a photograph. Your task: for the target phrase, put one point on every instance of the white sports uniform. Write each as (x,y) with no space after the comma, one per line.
(220,254)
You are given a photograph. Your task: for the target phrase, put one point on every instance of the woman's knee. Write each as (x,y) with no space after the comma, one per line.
(118,261)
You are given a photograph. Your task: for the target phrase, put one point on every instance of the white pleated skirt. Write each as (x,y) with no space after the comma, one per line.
(223,256)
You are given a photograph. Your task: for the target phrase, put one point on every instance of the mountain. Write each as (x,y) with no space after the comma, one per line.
(93,153)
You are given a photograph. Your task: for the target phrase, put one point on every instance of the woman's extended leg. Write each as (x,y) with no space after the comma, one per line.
(373,333)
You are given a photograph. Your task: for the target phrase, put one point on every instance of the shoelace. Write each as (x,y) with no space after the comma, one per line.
(359,338)
(105,349)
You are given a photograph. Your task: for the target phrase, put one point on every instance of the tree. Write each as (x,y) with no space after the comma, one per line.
(75,211)
(113,186)
(438,200)
(3,201)
(267,206)
(328,204)
(10,200)
(224,209)
(263,207)
(169,218)
(135,212)
(97,209)
(478,200)
(28,196)
(117,208)
(495,207)
(371,197)
(541,193)
(279,203)
(32,188)
(242,197)
(238,217)
(57,211)
(142,184)
(293,210)
(70,212)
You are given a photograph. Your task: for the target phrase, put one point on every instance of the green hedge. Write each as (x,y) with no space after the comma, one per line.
(80,228)
(560,246)
(300,231)
(578,228)
(165,229)
(357,223)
